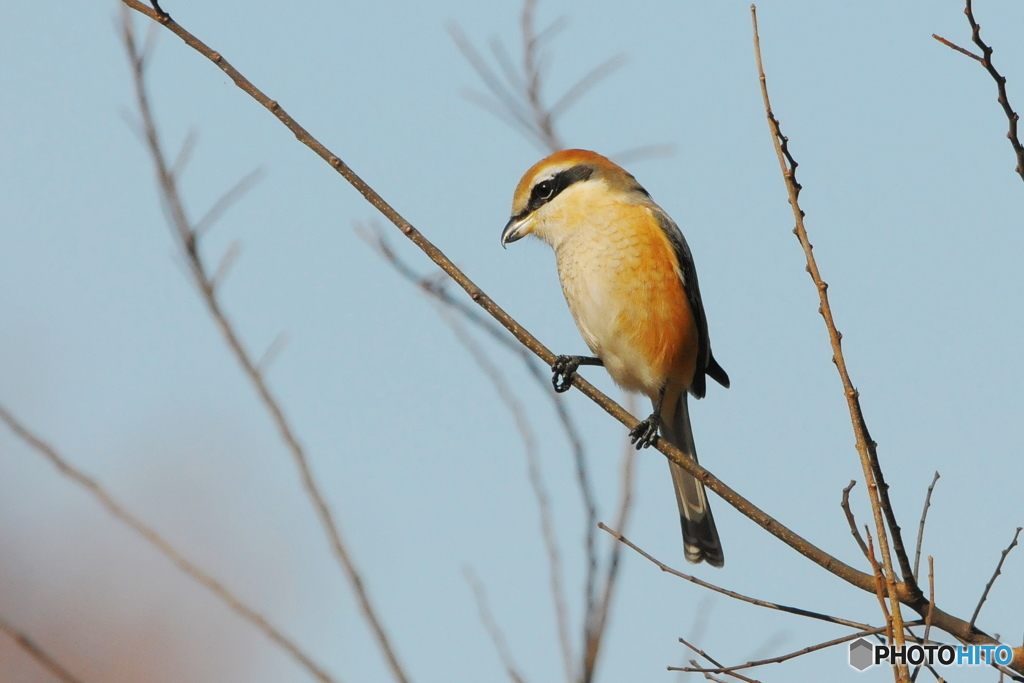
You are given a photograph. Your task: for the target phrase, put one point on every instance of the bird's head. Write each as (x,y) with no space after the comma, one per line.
(554,195)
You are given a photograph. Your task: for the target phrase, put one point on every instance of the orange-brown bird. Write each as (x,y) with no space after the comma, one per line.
(628,277)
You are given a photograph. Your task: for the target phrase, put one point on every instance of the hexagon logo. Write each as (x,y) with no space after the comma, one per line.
(861,654)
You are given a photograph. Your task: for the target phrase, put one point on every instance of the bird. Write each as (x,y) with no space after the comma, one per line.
(628,277)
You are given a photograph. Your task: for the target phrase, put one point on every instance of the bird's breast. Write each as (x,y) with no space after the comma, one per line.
(620,278)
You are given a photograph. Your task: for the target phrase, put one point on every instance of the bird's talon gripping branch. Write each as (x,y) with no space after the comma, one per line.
(565,367)
(646,433)
(562,371)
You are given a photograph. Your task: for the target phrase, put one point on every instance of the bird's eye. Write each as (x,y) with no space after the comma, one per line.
(544,190)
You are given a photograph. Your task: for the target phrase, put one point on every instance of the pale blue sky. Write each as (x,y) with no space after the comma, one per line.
(107,352)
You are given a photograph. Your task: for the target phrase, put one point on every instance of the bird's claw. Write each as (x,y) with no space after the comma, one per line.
(645,433)
(562,371)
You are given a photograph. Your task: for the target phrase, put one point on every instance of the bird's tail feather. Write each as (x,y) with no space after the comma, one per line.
(700,535)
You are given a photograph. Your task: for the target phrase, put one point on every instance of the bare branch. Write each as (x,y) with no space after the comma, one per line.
(492,627)
(845,504)
(148,533)
(931,602)
(786,657)
(995,575)
(732,594)
(597,615)
(866,447)
(920,527)
(959,49)
(707,672)
(37,653)
(536,477)
(986,61)
(188,242)
(226,201)
(941,619)
(373,236)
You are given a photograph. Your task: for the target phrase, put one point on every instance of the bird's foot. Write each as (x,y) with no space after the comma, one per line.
(562,371)
(646,433)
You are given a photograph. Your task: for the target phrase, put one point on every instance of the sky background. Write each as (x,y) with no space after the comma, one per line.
(106,350)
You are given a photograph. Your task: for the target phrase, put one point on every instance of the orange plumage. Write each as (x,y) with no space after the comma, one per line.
(629,280)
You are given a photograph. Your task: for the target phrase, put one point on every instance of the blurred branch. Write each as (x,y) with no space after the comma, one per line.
(535,475)
(157,541)
(435,288)
(986,61)
(37,653)
(516,98)
(878,491)
(862,580)
(995,575)
(187,238)
(597,615)
(491,626)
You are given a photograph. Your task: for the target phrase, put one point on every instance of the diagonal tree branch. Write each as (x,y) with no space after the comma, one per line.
(37,653)
(188,241)
(986,61)
(941,619)
(157,541)
(866,447)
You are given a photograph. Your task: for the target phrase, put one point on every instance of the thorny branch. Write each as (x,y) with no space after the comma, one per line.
(157,541)
(866,447)
(986,61)
(187,239)
(941,619)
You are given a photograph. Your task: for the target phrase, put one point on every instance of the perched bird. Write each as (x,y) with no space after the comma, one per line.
(628,277)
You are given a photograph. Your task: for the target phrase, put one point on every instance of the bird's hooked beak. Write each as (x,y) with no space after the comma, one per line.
(516,229)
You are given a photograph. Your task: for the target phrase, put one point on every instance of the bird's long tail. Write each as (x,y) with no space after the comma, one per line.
(700,536)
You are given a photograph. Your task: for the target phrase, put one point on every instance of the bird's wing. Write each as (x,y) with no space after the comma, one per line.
(706,364)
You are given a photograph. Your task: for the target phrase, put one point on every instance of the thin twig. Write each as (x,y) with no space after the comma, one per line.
(947,622)
(986,61)
(707,673)
(786,657)
(959,49)
(597,617)
(532,72)
(37,653)
(516,95)
(995,575)
(732,594)
(931,603)
(188,242)
(535,475)
(147,532)
(373,236)
(491,626)
(845,504)
(866,447)
(920,527)
(879,585)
